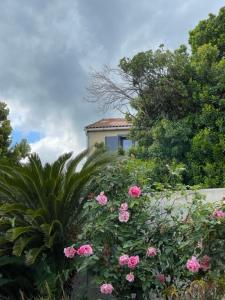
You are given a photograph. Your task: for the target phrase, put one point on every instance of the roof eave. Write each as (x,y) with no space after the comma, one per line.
(107,128)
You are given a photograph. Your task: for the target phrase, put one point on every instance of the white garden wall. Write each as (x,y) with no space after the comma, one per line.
(213,194)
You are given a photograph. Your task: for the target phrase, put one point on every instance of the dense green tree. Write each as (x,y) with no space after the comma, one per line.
(162,80)
(5,130)
(20,150)
(16,152)
(206,159)
(176,102)
(210,31)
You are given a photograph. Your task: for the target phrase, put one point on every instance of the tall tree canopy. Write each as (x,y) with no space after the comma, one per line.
(176,101)
(210,31)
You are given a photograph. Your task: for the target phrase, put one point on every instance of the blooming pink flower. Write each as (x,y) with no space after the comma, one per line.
(205,263)
(133,261)
(218,214)
(134,191)
(123,207)
(70,252)
(102,199)
(106,288)
(123,260)
(85,250)
(130,277)
(193,264)
(151,251)
(124,216)
(161,277)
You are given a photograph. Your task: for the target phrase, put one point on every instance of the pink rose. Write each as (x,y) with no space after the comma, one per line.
(102,199)
(218,214)
(161,277)
(130,277)
(70,252)
(134,192)
(123,260)
(205,263)
(193,265)
(151,252)
(123,207)
(133,261)
(124,216)
(85,250)
(106,288)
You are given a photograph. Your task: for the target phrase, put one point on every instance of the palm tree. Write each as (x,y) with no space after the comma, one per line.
(41,205)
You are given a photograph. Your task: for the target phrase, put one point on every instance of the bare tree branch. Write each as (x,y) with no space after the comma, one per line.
(111,89)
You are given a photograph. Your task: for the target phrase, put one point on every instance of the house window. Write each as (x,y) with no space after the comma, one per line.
(112,143)
(125,143)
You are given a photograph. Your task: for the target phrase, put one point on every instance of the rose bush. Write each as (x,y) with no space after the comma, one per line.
(159,227)
(162,248)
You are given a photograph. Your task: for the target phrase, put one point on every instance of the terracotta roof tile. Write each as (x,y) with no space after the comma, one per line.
(108,123)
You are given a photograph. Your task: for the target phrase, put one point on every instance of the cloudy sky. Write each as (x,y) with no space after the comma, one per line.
(47,48)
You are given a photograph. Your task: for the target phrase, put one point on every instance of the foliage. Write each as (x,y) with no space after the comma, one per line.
(206,158)
(41,208)
(127,171)
(173,98)
(211,31)
(5,129)
(177,228)
(162,82)
(17,152)
(183,137)
(15,277)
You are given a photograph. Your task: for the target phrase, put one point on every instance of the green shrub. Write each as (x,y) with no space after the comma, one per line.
(176,228)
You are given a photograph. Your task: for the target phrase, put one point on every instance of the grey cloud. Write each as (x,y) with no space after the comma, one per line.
(41,57)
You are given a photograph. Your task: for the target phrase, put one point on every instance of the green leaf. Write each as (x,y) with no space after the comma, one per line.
(32,255)
(21,243)
(14,233)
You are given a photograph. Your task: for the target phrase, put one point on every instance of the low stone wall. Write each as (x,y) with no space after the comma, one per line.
(213,195)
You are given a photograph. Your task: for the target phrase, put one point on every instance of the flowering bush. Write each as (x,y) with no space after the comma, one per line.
(162,229)
(155,246)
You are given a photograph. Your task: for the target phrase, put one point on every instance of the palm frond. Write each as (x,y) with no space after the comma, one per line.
(32,254)
(41,202)
(21,243)
(14,233)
